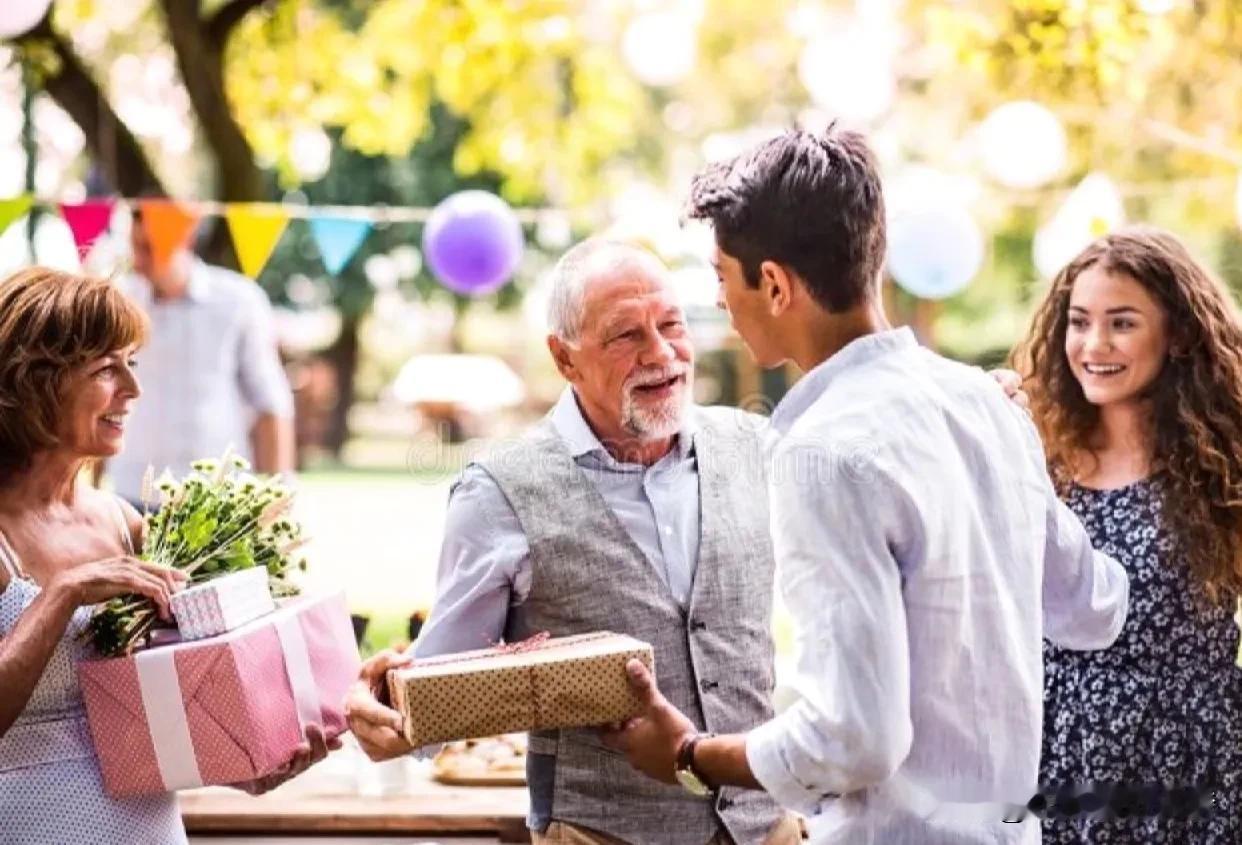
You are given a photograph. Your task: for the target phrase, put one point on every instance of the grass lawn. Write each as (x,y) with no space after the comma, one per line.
(376,534)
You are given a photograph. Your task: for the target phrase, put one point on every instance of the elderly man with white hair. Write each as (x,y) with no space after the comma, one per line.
(628,508)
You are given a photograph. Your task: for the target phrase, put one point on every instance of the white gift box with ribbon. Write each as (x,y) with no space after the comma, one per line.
(222,604)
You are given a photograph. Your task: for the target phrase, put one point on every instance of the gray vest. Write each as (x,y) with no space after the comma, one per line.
(714,661)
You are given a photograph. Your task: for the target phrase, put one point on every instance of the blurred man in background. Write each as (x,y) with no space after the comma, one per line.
(210,371)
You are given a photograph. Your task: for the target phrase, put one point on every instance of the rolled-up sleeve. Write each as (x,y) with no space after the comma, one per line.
(850,727)
(262,377)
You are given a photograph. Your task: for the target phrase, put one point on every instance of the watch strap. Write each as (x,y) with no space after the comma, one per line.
(685,757)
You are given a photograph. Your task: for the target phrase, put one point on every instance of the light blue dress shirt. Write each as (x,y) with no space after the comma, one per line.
(485,558)
(210,365)
(923,556)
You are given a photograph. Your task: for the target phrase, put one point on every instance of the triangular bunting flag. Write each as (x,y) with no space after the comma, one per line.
(256,227)
(168,225)
(87,221)
(338,238)
(14,209)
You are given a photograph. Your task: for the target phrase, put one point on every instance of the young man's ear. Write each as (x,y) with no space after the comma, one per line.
(561,355)
(776,284)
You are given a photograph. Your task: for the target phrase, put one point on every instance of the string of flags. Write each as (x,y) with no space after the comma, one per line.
(256,227)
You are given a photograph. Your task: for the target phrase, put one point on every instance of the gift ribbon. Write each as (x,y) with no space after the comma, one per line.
(539,642)
(298,671)
(167,724)
(170,732)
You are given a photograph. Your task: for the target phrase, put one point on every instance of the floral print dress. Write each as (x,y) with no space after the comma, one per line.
(1163,704)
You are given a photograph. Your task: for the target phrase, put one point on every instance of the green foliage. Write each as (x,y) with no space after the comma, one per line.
(543,109)
(218,520)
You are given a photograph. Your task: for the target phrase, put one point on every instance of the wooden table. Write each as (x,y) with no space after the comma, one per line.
(340,796)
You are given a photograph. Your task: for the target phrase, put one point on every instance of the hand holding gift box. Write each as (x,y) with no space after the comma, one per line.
(216,521)
(223,710)
(570,682)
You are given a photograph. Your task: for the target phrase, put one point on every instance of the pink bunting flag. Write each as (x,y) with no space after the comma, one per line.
(87,221)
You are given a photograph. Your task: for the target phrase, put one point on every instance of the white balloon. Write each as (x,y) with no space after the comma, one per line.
(934,252)
(311,153)
(849,74)
(1092,209)
(553,230)
(1023,144)
(20,16)
(661,47)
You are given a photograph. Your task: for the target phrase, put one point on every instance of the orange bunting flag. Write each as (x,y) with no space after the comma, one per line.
(256,227)
(168,225)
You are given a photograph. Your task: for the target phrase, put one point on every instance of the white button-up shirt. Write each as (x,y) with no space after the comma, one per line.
(923,555)
(209,367)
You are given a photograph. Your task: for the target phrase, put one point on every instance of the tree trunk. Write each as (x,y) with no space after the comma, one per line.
(199,47)
(113,147)
(201,62)
(343,355)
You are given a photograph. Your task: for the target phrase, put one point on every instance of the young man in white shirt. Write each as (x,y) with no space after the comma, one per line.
(921,549)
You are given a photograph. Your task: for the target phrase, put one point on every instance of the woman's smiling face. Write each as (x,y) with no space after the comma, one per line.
(1116,340)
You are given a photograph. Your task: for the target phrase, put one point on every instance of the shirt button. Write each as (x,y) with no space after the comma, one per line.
(668,530)
(708,686)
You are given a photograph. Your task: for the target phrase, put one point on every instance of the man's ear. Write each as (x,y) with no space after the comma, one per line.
(777,285)
(561,354)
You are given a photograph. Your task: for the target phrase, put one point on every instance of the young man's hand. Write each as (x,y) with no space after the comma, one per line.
(1012,383)
(650,741)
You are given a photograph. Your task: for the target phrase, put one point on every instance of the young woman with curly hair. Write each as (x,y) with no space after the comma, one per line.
(1134,369)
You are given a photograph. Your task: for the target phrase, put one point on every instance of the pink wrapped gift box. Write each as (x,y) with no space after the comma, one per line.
(225,709)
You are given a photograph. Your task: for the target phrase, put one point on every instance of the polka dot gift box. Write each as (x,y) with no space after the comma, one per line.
(569,682)
(222,604)
(223,709)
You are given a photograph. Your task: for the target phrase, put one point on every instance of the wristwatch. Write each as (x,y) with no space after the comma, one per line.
(691,780)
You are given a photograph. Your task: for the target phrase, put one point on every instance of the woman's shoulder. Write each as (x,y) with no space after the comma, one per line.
(107,508)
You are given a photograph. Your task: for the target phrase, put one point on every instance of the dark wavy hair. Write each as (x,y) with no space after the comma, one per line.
(813,203)
(50,324)
(1195,427)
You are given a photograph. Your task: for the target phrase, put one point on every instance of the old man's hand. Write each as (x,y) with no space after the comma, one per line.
(376,725)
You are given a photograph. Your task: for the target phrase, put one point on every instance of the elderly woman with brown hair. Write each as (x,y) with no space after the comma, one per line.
(66,385)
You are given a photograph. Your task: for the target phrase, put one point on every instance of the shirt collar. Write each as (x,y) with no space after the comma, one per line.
(812,385)
(200,280)
(573,428)
(196,290)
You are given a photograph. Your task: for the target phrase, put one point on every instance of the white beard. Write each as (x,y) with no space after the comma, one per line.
(654,422)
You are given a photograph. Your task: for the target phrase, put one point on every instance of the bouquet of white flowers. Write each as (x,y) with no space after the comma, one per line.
(219,519)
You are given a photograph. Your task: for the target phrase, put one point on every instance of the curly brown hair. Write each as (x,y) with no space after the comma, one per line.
(50,324)
(1196,424)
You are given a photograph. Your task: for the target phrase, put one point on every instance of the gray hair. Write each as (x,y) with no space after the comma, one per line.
(592,257)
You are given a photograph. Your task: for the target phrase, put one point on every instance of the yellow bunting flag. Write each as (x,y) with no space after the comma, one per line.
(14,209)
(168,226)
(256,227)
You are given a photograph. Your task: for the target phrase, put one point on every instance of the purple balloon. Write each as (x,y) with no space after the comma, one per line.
(473,242)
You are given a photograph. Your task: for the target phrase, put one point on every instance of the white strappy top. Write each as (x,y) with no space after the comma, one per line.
(50,786)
